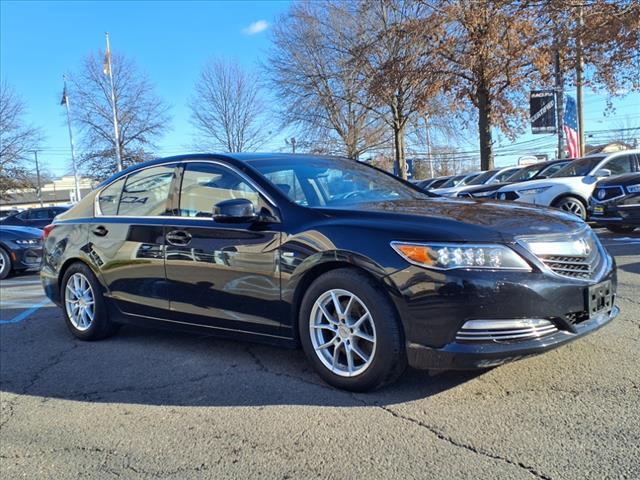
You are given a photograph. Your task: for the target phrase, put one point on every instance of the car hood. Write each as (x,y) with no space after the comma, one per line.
(16,231)
(624,180)
(448,219)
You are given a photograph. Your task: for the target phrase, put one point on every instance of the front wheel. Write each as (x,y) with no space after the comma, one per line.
(5,264)
(350,332)
(621,228)
(572,205)
(84,307)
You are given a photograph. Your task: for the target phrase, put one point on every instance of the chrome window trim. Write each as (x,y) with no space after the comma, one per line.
(96,204)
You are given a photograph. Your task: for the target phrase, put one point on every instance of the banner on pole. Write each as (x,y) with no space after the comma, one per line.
(542,111)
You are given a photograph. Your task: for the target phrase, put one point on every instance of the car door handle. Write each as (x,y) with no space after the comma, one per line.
(100,231)
(178,237)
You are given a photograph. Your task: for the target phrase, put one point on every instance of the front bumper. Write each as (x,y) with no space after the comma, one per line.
(463,356)
(614,214)
(26,258)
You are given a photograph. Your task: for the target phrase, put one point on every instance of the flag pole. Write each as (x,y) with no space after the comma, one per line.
(65,100)
(116,130)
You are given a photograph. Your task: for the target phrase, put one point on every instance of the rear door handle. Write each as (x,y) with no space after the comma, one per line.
(100,231)
(178,237)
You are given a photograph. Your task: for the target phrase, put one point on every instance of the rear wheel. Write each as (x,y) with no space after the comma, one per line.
(572,205)
(621,228)
(5,264)
(350,332)
(84,307)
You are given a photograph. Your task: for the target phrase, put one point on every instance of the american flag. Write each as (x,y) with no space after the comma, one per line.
(571,127)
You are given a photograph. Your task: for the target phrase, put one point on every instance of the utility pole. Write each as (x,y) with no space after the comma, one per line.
(65,100)
(579,72)
(116,130)
(559,100)
(35,155)
(291,142)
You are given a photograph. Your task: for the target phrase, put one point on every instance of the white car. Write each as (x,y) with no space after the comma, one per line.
(497,175)
(570,187)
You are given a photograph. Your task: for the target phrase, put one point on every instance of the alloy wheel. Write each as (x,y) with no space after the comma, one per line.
(573,206)
(3,264)
(342,332)
(79,301)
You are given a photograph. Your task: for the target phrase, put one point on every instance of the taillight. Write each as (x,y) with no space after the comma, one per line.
(47,230)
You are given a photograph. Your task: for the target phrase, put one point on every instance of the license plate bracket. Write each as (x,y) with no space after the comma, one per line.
(599,298)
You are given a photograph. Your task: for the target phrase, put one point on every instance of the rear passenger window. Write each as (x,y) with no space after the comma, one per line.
(146,192)
(109,198)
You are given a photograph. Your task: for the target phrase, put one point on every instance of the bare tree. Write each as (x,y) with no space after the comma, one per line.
(17,139)
(142,116)
(399,63)
(227,108)
(319,89)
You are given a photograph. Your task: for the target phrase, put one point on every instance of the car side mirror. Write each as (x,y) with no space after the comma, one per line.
(237,210)
(603,172)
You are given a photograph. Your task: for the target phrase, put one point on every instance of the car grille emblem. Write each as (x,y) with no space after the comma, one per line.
(601,194)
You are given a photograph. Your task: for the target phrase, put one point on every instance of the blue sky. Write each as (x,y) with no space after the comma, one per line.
(170,41)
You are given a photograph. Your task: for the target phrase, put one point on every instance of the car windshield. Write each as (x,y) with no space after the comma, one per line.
(320,182)
(525,173)
(452,182)
(579,167)
(483,177)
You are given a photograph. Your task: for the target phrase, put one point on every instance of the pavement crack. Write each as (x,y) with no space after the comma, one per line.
(438,434)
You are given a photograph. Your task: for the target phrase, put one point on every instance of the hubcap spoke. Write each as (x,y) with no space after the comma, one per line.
(79,301)
(342,332)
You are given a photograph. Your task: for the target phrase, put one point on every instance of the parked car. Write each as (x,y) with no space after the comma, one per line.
(458,181)
(431,183)
(34,217)
(489,177)
(365,271)
(570,187)
(6,213)
(20,249)
(615,203)
(531,172)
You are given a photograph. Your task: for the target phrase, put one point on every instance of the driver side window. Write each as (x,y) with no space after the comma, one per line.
(620,165)
(206,184)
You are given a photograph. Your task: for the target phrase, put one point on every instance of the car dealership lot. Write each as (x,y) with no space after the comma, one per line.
(155,404)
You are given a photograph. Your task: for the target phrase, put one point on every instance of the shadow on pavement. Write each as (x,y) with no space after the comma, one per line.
(144,366)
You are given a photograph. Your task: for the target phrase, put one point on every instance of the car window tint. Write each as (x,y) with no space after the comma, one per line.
(501,177)
(205,184)
(551,169)
(287,181)
(619,165)
(39,214)
(145,193)
(109,198)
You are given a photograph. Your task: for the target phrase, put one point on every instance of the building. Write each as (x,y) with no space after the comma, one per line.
(59,192)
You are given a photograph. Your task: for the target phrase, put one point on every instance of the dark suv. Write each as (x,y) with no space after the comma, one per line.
(615,203)
(34,217)
(366,272)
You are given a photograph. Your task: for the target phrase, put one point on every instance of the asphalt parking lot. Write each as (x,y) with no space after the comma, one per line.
(156,404)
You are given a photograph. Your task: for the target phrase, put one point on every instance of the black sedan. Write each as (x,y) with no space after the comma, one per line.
(33,217)
(20,249)
(615,203)
(366,272)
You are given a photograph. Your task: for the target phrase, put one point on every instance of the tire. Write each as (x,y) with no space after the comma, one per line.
(572,205)
(621,228)
(94,324)
(5,264)
(376,344)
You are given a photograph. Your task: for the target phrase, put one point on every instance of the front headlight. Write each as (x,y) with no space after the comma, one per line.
(633,188)
(28,241)
(533,191)
(447,256)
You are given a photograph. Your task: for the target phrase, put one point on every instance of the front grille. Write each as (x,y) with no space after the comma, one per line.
(578,255)
(577,317)
(603,194)
(574,267)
